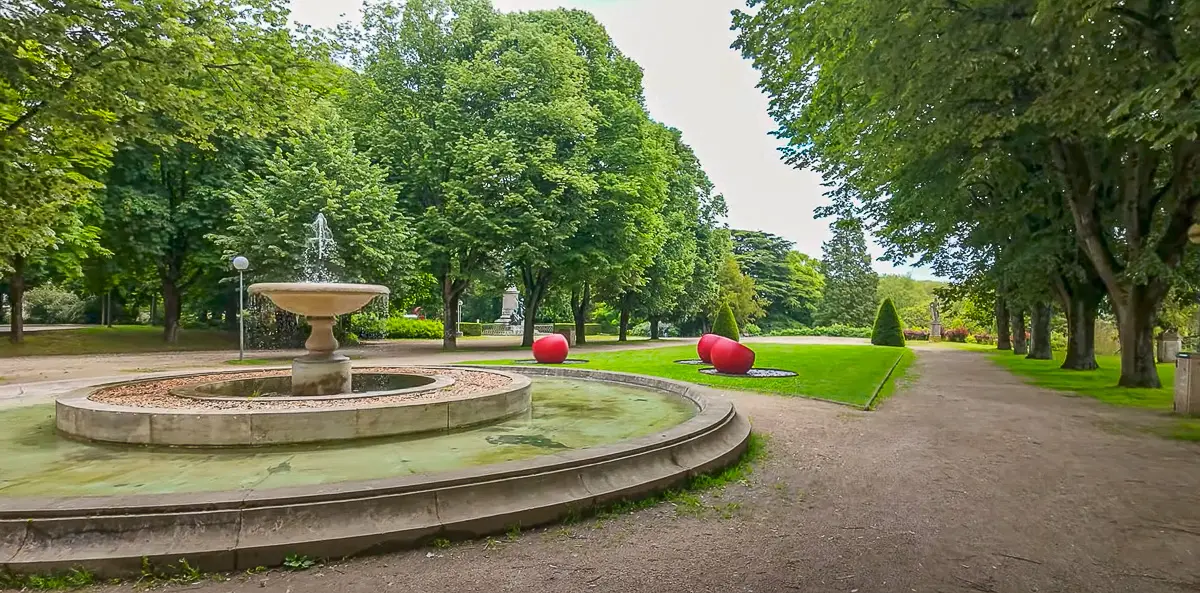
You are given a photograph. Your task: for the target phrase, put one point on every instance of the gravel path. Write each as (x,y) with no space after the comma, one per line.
(966,480)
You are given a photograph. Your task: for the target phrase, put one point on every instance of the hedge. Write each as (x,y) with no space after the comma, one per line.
(589,329)
(832,331)
(401,328)
(471,328)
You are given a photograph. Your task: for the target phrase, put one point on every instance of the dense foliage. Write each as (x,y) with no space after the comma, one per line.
(725,324)
(1032,150)
(887,330)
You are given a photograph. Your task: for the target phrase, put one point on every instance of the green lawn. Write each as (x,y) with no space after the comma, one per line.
(1100,384)
(121,339)
(844,374)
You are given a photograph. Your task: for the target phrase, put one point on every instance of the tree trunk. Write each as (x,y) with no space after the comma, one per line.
(623,332)
(654,330)
(172,308)
(1080,300)
(154,308)
(108,316)
(16,301)
(451,291)
(1003,337)
(536,285)
(1019,345)
(1135,321)
(1040,317)
(581,302)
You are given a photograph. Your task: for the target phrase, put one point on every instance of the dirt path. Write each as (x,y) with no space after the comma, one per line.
(966,480)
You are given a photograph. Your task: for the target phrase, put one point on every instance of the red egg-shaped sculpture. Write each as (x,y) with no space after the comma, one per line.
(732,357)
(704,347)
(551,349)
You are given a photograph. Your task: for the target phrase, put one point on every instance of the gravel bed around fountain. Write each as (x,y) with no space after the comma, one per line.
(157,394)
(755,373)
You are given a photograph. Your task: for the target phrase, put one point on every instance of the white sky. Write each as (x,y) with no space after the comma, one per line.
(696,83)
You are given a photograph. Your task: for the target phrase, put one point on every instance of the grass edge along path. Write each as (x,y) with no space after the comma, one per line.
(1101,385)
(852,375)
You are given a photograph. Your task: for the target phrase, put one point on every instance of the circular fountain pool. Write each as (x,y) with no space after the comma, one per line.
(590,438)
(566,415)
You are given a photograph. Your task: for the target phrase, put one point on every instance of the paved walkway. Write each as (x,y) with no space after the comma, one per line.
(966,480)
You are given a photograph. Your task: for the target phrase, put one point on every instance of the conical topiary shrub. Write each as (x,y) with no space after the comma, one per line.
(887,331)
(725,324)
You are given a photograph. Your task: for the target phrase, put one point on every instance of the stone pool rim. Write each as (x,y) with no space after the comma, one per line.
(193,391)
(78,416)
(235,530)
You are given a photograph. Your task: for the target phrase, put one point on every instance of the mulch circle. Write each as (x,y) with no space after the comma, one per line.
(753,373)
(695,361)
(534,361)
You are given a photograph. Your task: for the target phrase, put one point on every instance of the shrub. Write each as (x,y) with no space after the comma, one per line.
(958,334)
(832,331)
(368,326)
(404,328)
(752,330)
(665,330)
(725,324)
(471,328)
(589,329)
(887,330)
(986,338)
(50,304)
(916,334)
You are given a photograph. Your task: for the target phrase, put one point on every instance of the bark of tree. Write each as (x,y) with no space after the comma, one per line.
(16,301)
(452,289)
(1019,345)
(581,303)
(626,305)
(1156,196)
(1080,300)
(654,330)
(172,308)
(1039,348)
(1003,337)
(537,283)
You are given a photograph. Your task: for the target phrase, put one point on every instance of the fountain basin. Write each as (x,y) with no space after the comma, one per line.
(284,421)
(319,299)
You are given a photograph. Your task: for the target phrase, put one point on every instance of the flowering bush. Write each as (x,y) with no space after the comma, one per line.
(916,334)
(958,334)
(984,338)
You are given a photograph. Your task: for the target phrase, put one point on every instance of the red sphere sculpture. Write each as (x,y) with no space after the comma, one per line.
(704,347)
(732,357)
(551,349)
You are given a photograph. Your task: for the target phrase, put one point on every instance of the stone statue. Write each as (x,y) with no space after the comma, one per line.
(509,307)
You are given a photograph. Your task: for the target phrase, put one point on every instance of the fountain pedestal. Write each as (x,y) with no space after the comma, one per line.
(322,371)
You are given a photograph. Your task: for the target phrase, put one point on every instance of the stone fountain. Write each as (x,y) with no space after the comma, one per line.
(321,371)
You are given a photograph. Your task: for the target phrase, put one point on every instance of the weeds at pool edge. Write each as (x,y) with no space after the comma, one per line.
(72,579)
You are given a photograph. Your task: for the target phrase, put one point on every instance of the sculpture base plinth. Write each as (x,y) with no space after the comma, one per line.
(325,376)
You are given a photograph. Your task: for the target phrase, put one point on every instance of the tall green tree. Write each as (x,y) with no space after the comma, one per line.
(417,115)
(790,282)
(850,283)
(320,172)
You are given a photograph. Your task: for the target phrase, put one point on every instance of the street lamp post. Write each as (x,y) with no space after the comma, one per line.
(240,264)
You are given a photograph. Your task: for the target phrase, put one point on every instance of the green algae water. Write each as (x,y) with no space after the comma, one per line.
(566,415)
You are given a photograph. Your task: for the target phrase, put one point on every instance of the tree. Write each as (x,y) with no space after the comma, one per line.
(320,172)
(850,283)
(725,324)
(737,291)
(1088,93)
(788,281)
(910,297)
(413,117)
(887,330)
(79,77)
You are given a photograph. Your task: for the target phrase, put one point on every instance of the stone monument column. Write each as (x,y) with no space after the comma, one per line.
(935,329)
(508,306)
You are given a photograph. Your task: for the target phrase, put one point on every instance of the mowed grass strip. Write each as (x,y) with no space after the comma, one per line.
(120,339)
(844,374)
